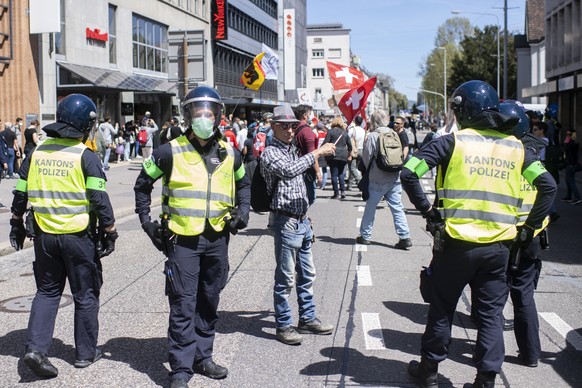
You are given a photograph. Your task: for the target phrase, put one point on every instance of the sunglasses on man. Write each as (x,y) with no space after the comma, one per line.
(289,125)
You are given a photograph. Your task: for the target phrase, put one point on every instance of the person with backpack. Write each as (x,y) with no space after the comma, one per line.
(383,156)
(339,160)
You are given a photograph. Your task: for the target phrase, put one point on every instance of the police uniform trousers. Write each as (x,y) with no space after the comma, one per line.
(484,268)
(196,272)
(59,257)
(522,284)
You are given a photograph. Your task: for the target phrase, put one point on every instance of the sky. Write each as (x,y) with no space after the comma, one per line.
(394,36)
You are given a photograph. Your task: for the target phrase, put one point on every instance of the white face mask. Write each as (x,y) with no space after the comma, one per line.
(203,127)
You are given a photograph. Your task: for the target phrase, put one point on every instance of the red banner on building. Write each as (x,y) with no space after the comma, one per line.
(219,22)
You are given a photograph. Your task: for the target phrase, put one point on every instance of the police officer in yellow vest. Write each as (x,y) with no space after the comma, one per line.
(478,185)
(523,279)
(205,194)
(64,180)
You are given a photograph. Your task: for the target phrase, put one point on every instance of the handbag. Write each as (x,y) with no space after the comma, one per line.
(365,181)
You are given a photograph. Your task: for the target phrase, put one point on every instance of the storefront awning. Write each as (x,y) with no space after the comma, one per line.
(113,79)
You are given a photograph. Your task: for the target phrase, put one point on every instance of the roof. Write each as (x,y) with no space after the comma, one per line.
(114,79)
(535,20)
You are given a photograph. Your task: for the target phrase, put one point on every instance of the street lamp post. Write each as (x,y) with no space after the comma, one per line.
(445,77)
(498,28)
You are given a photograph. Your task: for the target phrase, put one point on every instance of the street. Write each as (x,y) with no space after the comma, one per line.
(370,293)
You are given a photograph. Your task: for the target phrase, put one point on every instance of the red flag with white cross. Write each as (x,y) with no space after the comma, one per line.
(344,77)
(354,101)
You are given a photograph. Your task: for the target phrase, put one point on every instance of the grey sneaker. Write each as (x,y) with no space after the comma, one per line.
(314,327)
(289,336)
(403,243)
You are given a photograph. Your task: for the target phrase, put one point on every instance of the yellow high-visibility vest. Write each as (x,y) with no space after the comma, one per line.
(56,187)
(192,195)
(528,195)
(480,192)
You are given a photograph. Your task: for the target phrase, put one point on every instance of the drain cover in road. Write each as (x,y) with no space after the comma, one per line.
(22,304)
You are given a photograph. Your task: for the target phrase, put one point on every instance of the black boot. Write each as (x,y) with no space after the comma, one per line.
(424,373)
(483,380)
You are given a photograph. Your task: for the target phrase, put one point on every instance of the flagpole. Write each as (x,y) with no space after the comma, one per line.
(243,93)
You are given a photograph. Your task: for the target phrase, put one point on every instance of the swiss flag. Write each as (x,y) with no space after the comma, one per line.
(354,101)
(344,77)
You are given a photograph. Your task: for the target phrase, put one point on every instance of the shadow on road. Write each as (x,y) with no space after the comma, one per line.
(362,369)
(250,323)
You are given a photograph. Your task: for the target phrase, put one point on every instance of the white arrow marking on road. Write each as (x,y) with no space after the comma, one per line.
(373,331)
(564,329)
(364,275)
(358,222)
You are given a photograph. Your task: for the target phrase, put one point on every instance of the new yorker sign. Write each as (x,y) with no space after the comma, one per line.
(219,17)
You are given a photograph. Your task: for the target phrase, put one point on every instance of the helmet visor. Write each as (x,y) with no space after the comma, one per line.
(208,109)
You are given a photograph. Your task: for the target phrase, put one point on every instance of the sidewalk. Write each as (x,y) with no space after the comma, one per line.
(120,180)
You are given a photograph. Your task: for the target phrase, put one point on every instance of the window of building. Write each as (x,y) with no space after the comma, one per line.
(60,36)
(204,10)
(335,53)
(112,34)
(317,40)
(150,44)
(249,26)
(318,72)
(269,6)
(317,53)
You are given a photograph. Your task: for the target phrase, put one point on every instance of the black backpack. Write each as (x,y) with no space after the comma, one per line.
(260,198)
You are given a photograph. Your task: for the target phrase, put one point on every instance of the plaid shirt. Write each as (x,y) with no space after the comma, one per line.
(281,163)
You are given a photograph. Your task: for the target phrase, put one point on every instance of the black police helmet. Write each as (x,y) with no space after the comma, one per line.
(202,98)
(472,98)
(76,115)
(516,110)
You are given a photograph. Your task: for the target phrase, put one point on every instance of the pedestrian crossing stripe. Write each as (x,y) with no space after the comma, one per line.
(361,208)
(358,222)
(564,329)
(364,275)
(373,331)
(361,248)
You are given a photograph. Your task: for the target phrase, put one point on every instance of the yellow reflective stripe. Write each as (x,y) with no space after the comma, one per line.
(417,166)
(21,185)
(95,183)
(533,171)
(152,169)
(240,173)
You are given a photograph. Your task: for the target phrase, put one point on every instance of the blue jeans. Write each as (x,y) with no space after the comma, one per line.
(10,162)
(294,266)
(392,192)
(571,181)
(106,158)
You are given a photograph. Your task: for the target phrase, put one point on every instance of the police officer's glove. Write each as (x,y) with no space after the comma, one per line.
(238,221)
(525,234)
(154,231)
(108,243)
(433,215)
(17,233)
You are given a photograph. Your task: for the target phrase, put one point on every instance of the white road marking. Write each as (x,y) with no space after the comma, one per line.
(364,275)
(373,331)
(361,208)
(358,222)
(361,248)
(564,329)
(430,197)
(427,188)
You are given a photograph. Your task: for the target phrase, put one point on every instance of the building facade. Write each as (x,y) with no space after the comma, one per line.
(116,52)
(325,42)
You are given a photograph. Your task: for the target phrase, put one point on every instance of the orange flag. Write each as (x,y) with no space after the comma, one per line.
(254,75)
